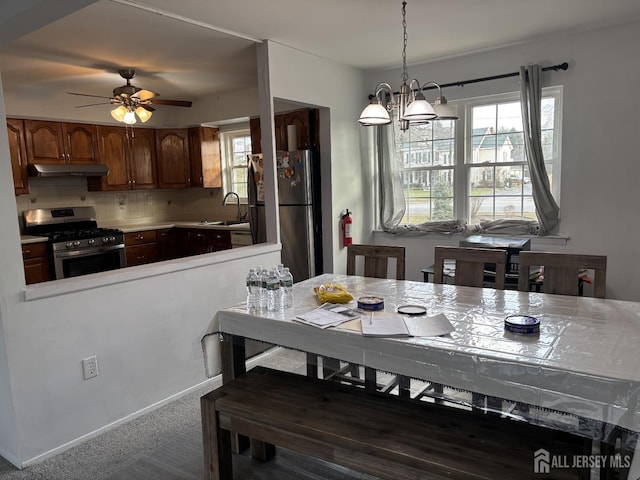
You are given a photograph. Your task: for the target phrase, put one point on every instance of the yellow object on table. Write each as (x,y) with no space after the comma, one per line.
(332,293)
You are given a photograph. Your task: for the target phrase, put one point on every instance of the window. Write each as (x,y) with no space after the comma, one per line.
(236,145)
(475,168)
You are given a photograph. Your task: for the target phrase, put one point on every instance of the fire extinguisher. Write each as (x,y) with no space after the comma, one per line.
(347,236)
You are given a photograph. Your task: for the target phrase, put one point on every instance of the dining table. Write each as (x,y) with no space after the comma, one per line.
(580,372)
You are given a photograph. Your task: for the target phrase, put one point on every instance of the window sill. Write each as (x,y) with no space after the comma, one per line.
(558,240)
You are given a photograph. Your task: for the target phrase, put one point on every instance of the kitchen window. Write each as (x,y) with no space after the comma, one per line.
(475,168)
(235,146)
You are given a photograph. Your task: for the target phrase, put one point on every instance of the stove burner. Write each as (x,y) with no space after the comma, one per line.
(66,235)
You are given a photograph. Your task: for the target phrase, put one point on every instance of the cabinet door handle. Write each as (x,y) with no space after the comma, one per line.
(200,235)
(133,181)
(139,237)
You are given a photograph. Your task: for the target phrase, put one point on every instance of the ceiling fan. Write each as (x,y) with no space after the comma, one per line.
(132,101)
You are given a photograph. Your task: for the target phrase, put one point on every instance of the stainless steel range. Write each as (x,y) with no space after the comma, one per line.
(76,245)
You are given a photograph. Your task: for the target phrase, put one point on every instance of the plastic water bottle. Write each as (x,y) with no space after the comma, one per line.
(264,276)
(286,286)
(260,295)
(273,292)
(252,290)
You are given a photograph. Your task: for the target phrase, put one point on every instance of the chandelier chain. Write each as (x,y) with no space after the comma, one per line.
(405,75)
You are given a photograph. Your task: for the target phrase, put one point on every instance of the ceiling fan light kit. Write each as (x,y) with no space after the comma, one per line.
(133,103)
(413,108)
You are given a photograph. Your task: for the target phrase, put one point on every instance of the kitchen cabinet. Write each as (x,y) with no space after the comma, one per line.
(56,142)
(206,169)
(141,247)
(36,262)
(197,241)
(207,241)
(130,155)
(18,154)
(305,121)
(256,135)
(166,241)
(172,151)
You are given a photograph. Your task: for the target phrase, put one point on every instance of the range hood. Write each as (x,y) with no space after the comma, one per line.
(67,170)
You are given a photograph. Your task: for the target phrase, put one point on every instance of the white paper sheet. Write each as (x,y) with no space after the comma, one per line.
(423,326)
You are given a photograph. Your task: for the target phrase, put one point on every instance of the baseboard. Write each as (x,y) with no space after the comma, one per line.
(212,382)
(12,459)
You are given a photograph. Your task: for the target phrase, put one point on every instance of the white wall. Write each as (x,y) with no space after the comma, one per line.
(600,164)
(346,179)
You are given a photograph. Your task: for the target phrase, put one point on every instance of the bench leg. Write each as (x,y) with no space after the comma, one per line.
(370,379)
(216,444)
(262,451)
(232,352)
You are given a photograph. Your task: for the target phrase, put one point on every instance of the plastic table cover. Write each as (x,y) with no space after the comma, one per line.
(584,362)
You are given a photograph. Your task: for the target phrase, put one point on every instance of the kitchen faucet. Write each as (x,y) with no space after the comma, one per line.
(224,202)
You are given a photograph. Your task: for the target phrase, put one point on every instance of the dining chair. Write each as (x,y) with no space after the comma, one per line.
(371,261)
(376,260)
(562,272)
(471,265)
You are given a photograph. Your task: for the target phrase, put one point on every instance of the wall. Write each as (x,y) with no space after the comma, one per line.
(128,207)
(143,323)
(346,179)
(599,156)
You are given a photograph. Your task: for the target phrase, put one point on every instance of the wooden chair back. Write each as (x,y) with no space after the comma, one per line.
(561,272)
(470,265)
(376,260)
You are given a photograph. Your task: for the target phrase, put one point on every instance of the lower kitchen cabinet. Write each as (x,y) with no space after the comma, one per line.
(207,241)
(36,262)
(141,247)
(166,241)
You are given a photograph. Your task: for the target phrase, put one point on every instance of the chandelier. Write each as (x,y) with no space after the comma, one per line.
(413,108)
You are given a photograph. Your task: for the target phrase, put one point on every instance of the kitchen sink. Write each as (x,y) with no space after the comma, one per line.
(227,223)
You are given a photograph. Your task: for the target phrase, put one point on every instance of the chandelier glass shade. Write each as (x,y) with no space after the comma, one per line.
(412,105)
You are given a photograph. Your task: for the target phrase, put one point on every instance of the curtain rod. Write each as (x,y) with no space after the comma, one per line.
(555,68)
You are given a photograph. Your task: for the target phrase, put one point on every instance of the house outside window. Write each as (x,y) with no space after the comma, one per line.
(235,146)
(475,168)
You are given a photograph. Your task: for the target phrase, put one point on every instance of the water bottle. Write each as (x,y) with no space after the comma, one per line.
(273,292)
(252,290)
(259,287)
(286,285)
(262,278)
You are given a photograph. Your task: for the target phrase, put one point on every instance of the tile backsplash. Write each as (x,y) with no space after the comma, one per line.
(127,207)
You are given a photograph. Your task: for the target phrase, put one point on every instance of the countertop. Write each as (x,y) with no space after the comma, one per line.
(158,225)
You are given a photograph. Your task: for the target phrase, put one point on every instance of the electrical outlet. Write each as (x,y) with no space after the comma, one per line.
(90,367)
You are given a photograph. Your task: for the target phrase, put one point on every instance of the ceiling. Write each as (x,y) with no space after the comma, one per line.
(184,50)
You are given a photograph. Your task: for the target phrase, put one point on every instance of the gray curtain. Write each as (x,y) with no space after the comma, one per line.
(547,209)
(392,205)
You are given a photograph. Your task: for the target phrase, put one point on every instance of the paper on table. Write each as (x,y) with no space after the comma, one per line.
(384,326)
(327,315)
(429,326)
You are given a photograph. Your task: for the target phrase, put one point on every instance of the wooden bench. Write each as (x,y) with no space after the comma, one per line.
(374,433)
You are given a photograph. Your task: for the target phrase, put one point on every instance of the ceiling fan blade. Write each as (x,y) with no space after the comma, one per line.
(87,95)
(174,103)
(93,104)
(148,108)
(144,94)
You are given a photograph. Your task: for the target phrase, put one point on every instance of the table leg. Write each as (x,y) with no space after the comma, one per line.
(312,365)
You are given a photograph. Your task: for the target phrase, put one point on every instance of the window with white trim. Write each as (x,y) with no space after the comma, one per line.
(235,146)
(475,168)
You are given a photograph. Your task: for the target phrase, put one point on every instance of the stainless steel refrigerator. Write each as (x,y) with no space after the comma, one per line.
(300,218)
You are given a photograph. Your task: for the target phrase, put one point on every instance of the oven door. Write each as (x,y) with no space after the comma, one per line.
(91,260)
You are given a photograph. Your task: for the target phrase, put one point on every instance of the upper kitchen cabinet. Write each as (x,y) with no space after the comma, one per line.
(17,151)
(172,150)
(256,135)
(206,170)
(305,121)
(130,155)
(56,142)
